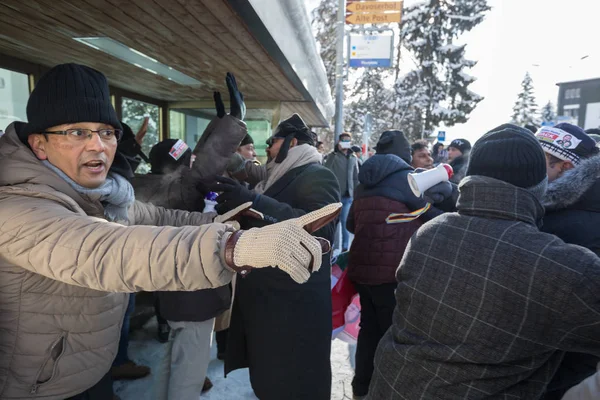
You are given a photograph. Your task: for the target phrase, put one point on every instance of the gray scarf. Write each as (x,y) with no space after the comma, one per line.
(115,194)
(297,157)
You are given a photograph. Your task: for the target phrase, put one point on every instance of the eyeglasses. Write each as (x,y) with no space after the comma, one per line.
(81,135)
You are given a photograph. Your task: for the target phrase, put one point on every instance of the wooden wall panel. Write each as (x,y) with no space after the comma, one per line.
(200,38)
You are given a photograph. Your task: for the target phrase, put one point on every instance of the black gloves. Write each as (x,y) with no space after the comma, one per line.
(236,98)
(232,194)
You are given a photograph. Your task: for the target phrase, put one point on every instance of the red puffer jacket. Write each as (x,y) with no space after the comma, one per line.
(378,247)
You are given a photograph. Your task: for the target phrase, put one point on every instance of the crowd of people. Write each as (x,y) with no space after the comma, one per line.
(486,286)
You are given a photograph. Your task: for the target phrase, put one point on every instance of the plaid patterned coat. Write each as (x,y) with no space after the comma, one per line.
(486,303)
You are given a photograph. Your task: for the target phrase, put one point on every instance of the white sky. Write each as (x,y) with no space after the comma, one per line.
(515,35)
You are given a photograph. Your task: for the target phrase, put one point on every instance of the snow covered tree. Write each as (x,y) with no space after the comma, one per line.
(548,113)
(324,22)
(525,110)
(429,32)
(369,94)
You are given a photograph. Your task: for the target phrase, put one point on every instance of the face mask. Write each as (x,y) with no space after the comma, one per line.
(345,145)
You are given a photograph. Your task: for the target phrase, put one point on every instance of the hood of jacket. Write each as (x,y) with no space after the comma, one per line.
(486,197)
(460,161)
(578,188)
(379,167)
(21,169)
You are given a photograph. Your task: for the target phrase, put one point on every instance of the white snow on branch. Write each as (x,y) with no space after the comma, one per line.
(464,17)
(466,77)
(449,48)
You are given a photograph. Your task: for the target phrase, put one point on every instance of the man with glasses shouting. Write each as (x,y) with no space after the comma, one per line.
(72,242)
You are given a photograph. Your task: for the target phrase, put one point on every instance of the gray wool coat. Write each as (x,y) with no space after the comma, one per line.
(486,303)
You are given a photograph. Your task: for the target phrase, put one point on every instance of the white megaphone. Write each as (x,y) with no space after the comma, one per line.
(420,182)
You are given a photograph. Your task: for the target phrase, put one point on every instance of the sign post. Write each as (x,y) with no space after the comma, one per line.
(369,50)
(373,12)
(441,136)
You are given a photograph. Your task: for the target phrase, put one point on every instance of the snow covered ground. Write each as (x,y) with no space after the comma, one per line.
(146,350)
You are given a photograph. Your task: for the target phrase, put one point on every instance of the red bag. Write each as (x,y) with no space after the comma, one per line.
(341,297)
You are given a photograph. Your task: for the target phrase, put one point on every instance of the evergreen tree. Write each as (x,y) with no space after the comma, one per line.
(548,113)
(429,32)
(525,108)
(369,95)
(324,22)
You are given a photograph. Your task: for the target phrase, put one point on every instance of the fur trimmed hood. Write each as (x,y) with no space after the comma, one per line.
(578,188)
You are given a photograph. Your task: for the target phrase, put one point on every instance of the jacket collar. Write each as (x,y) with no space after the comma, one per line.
(579,185)
(20,168)
(486,197)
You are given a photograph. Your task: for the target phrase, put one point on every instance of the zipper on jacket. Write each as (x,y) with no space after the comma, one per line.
(61,341)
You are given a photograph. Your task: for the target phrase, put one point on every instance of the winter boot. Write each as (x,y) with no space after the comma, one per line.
(129,370)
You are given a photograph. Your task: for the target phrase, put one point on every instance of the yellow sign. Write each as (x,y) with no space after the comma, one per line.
(374,6)
(360,19)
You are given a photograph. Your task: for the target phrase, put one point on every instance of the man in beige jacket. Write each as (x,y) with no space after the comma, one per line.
(71,244)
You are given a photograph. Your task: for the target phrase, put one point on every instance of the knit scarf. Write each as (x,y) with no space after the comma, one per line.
(297,157)
(115,194)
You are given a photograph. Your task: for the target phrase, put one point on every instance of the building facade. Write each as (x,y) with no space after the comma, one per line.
(579,103)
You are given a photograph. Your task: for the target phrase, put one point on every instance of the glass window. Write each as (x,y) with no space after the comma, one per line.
(14,92)
(188,124)
(134,112)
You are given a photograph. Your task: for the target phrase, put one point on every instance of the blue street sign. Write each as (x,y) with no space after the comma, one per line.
(374,62)
(441,136)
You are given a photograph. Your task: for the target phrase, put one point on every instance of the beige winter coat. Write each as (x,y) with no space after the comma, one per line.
(61,263)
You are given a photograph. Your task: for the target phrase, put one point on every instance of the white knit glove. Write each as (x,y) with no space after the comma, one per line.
(287,245)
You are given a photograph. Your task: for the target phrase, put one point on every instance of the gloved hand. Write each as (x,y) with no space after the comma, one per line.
(219,106)
(439,192)
(236,99)
(245,210)
(232,194)
(287,245)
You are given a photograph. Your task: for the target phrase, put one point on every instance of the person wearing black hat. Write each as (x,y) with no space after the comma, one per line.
(486,304)
(378,244)
(572,205)
(357,151)
(458,157)
(344,166)
(246,148)
(73,243)
(279,329)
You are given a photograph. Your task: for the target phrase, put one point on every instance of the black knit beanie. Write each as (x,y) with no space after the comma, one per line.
(511,154)
(164,156)
(394,142)
(461,144)
(247,140)
(69,93)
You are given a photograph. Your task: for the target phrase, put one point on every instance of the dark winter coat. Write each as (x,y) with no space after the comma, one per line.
(572,205)
(573,214)
(345,168)
(378,246)
(486,303)
(279,328)
(180,190)
(459,165)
